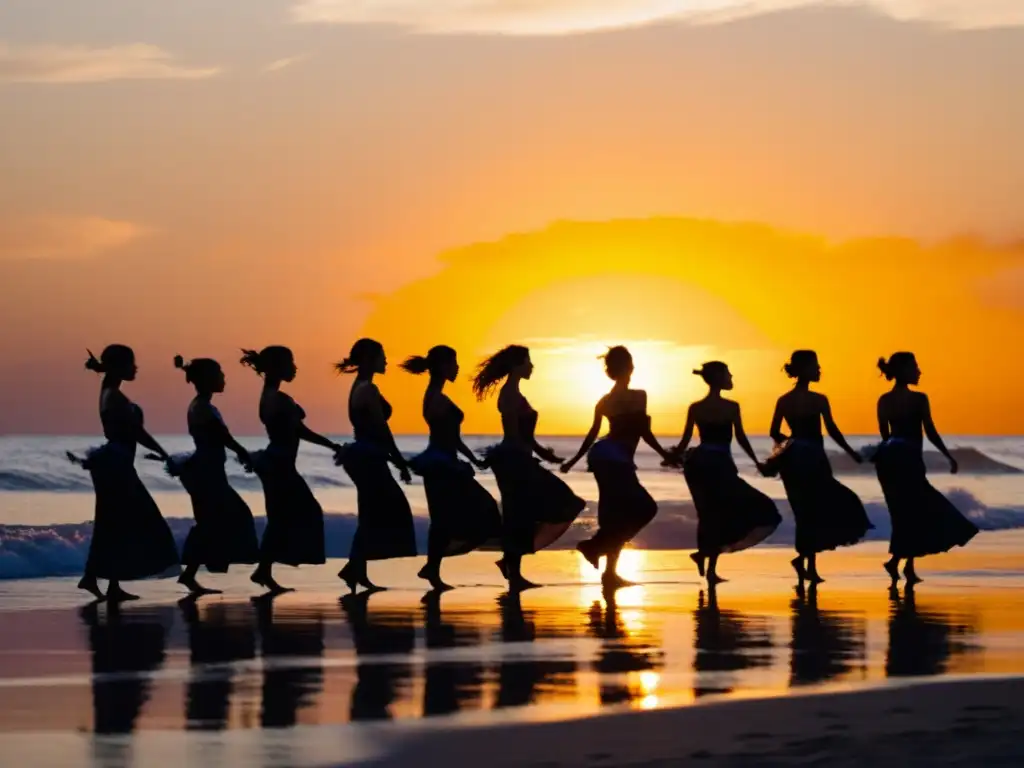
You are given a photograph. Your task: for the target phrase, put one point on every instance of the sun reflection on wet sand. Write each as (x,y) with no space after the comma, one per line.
(567,650)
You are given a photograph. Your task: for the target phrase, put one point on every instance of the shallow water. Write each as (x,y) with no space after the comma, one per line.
(228,663)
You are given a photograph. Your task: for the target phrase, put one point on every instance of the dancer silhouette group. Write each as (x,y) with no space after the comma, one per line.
(131,540)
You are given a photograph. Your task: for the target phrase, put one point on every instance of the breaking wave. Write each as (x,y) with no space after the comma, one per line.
(36,551)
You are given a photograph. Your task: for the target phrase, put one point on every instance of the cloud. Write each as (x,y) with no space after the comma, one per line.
(278,64)
(81,64)
(548,17)
(64,237)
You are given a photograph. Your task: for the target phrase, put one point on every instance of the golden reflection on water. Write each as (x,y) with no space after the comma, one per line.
(564,650)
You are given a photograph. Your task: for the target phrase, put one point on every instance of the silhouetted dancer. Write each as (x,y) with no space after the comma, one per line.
(124,651)
(732,515)
(463,515)
(726,642)
(385,526)
(536,506)
(924,522)
(224,531)
(379,680)
(292,649)
(825,644)
(217,641)
(130,539)
(827,513)
(624,506)
(450,684)
(295,522)
(922,643)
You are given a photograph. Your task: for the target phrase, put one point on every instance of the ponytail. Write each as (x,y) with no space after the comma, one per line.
(435,361)
(416,365)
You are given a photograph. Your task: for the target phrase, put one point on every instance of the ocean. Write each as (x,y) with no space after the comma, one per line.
(46,503)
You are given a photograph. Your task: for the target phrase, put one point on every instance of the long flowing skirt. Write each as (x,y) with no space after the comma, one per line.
(130,538)
(224,532)
(385,528)
(732,515)
(295,522)
(924,522)
(536,506)
(827,513)
(463,515)
(624,506)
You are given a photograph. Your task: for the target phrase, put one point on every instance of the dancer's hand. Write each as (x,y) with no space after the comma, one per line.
(568,465)
(857,457)
(480,463)
(762,469)
(405,474)
(953,466)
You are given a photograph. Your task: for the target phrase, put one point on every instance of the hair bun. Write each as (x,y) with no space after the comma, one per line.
(179,362)
(697,371)
(92,364)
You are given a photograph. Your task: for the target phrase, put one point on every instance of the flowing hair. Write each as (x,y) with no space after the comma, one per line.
(434,361)
(497,367)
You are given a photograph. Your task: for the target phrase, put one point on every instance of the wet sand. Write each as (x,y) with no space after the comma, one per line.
(666,671)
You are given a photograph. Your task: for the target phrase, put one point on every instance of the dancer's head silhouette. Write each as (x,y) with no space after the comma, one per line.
(365,359)
(803,366)
(901,368)
(274,364)
(440,362)
(618,364)
(716,375)
(512,361)
(117,363)
(203,373)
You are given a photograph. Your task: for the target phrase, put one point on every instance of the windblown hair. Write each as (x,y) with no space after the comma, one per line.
(495,368)
(201,372)
(434,361)
(897,363)
(113,358)
(362,354)
(617,362)
(711,371)
(270,361)
(799,362)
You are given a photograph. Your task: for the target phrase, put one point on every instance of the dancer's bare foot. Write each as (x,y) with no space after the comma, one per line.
(911,576)
(892,568)
(814,578)
(698,560)
(519,583)
(798,566)
(501,567)
(118,595)
(91,586)
(195,588)
(612,581)
(714,578)
(587,549)
(347,574)
(433,577)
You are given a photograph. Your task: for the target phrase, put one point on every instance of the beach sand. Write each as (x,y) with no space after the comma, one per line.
(667,673)
(963,723)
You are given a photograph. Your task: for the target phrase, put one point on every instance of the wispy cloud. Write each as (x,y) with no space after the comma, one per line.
(549,17)
(82,64)
(278,64)
(64,237)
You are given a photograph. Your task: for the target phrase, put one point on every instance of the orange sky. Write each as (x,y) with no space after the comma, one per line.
(194,178)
